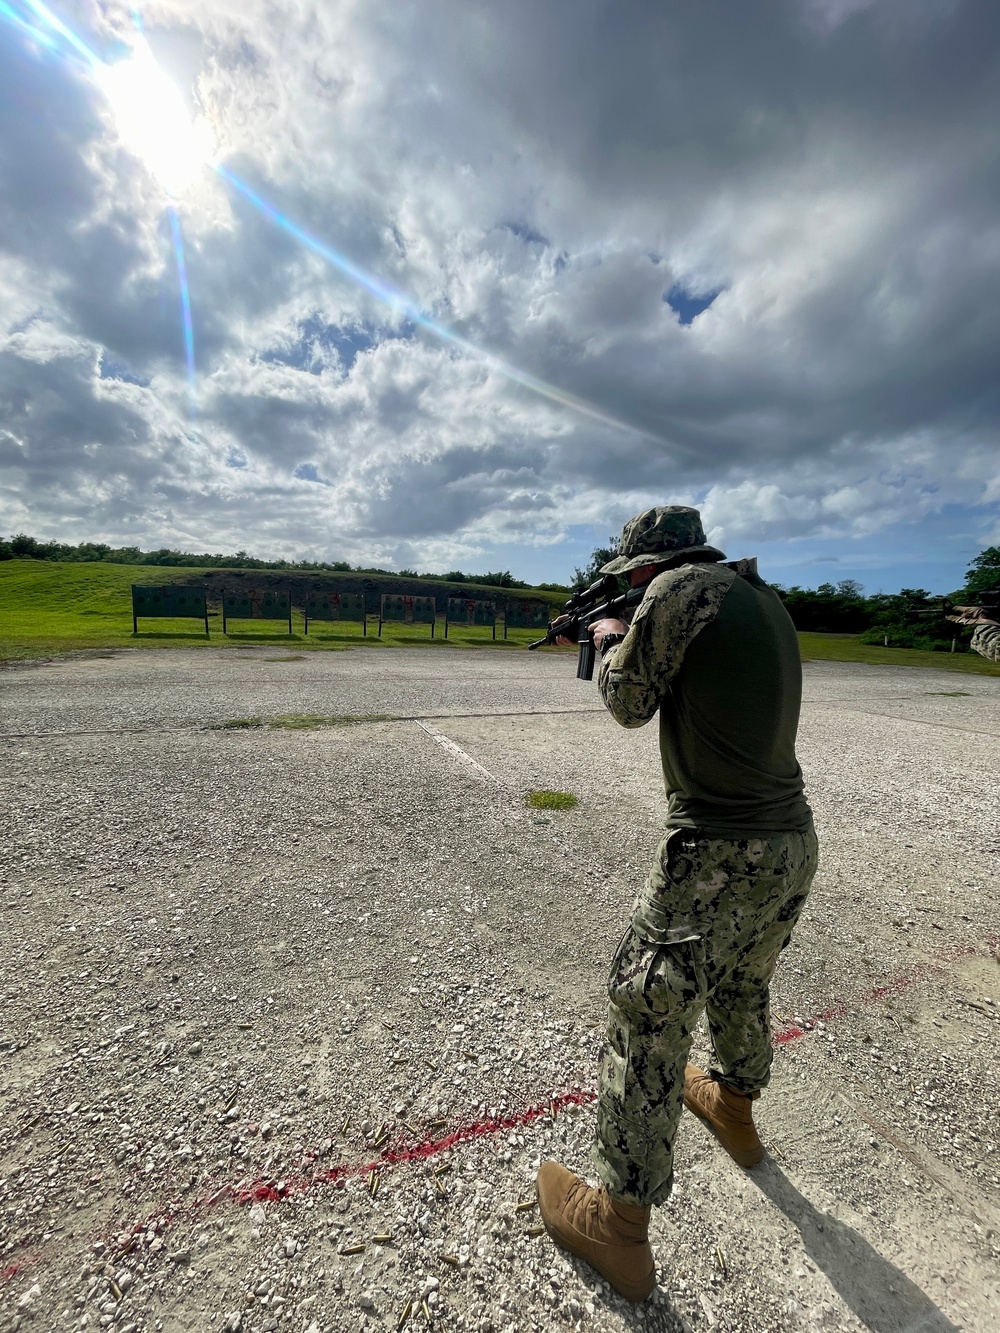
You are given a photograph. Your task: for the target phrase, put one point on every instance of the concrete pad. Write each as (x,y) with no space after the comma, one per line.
(270,995)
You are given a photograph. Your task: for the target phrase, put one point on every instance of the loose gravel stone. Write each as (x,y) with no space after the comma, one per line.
(249,970)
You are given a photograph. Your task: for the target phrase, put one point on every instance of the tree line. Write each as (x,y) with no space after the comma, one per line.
(907,618)
(23,547)
(910,618)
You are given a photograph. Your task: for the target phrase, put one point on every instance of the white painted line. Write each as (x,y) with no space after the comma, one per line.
(457,752)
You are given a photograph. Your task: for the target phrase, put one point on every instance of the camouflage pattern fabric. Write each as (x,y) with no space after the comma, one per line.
(678,604)
(660,534)
(986,642)
(705,934)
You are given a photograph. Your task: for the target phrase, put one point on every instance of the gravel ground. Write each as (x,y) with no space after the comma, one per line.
(291,1016)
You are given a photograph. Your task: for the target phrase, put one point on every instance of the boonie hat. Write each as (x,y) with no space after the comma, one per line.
(660,534)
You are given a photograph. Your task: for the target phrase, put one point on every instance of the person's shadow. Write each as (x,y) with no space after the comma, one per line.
(883,1298)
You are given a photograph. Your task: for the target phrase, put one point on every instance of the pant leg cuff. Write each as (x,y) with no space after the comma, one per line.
(747,1087)
(624,1182)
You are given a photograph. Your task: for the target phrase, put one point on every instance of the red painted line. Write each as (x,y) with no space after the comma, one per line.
(275,1189)
(404,1151)
(886,990)
(790,1032)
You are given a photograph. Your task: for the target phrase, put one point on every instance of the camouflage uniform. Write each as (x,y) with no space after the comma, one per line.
(706,932)
(986,642)
(734,869)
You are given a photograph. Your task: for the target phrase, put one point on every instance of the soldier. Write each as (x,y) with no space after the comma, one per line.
(986,636)
(713,650)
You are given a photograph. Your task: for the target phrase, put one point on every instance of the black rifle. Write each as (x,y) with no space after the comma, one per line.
(987,602)
(598,602)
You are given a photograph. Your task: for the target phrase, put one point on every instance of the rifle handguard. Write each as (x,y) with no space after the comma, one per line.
(575,626)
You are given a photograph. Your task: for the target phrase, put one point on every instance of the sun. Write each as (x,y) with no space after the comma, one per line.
(153,121)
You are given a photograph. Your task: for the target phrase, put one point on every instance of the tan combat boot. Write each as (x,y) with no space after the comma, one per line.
(610,1235)
(726,1113)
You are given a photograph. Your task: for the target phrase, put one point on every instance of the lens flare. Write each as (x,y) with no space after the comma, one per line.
(63,30)
(402,304)
(155,124)
(24,26)
(182,282)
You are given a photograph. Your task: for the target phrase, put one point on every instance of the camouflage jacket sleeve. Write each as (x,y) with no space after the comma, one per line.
(986,642)
(678,604)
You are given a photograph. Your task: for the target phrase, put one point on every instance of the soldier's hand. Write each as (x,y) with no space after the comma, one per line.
(561,640)
(607,626)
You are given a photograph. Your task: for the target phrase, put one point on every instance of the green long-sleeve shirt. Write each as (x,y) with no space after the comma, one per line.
(713,649)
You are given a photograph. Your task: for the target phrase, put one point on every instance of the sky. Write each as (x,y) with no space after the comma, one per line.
(438,286)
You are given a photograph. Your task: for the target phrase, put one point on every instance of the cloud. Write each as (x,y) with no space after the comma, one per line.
(556,184)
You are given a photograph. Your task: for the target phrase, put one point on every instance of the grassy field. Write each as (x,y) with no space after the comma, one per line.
(847,648)
(48,608)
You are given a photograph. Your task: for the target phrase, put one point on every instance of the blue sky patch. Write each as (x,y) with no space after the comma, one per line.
(309,472)
(687,305)
(525,233)
(110,369)
(316,339)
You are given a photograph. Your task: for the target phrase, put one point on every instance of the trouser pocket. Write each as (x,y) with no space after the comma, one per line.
(657,977)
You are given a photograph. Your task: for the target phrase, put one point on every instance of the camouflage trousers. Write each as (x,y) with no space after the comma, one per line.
(705,934)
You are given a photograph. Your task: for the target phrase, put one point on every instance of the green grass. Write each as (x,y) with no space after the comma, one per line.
(302,721)
(847,648)
(49,607)
(551,800)
(312,721)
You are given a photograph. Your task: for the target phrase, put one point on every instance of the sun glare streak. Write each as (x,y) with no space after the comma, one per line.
(154,123)
(403,304)
(19,22)
(56,24)
(182,279)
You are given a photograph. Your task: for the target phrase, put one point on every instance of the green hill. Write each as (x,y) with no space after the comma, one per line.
(51,607)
